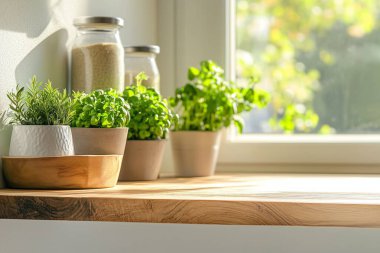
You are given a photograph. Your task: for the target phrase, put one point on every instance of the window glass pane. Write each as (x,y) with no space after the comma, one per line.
(320,59)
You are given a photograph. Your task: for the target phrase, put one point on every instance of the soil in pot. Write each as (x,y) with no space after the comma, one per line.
(195,152)
(142,160)
(99,141)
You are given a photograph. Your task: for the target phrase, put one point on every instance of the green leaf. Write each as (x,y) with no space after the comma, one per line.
(40,104)
(208,102)
(140,77)
(239,124)
(149,113)
(101,109)
(193,73)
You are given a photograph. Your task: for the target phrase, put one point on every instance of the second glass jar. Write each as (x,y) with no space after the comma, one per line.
(142,59)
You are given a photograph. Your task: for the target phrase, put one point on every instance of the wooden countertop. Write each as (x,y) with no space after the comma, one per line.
(240,199)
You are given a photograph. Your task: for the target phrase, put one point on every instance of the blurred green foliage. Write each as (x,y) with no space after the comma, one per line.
(276,34)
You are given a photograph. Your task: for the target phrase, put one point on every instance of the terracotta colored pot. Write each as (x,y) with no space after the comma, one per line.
(142,160)
(195,152)
(41,140)
(99,141)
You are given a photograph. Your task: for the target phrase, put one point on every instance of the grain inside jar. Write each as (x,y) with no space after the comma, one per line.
(97,66)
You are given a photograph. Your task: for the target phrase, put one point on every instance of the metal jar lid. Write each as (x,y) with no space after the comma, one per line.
(145,49)
(91,21)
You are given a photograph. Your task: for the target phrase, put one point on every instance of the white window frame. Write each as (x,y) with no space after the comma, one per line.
(293,153)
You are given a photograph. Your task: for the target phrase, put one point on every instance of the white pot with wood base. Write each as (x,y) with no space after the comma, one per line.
(99,141)
(142,160)
(195,152)
(41,140)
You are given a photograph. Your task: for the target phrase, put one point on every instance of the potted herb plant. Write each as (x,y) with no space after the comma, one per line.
(149,126)
(99,122)
(207,104)
(41,115)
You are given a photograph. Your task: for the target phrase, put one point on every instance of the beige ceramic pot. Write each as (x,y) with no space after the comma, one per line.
(99,141)
(142,160)
(195,152)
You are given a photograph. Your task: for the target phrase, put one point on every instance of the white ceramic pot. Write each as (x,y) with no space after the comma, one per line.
(142,160)
(99,141)
(41,140)
(195,152)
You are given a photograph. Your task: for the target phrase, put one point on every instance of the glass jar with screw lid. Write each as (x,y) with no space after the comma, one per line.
(97,60)
(142,59)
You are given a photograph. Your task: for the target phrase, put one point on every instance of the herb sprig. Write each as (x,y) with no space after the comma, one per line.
(208,102)
(100,109)
(40,104)
(151,118)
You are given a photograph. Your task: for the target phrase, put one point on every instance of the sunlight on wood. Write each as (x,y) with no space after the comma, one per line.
(254,199)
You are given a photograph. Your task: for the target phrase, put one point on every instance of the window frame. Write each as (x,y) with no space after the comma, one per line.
(292,153)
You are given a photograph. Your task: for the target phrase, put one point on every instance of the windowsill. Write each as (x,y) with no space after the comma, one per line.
(240,199)
(306,153)
(307,138)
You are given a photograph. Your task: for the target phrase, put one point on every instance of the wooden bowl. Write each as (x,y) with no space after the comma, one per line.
(63,172)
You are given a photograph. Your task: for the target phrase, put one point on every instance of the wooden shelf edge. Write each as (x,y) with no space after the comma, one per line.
(189,211)
(226,199)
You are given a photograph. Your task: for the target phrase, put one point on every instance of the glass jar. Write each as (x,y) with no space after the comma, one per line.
(142,59)
(97,56)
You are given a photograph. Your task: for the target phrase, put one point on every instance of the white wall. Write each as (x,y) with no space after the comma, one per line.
(35,36)
(103,237)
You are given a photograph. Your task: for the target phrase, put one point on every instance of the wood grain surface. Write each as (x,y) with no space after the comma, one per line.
(64,172)
(240,199)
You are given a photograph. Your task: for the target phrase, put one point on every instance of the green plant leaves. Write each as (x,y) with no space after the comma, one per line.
(100,109)
(193,73)
(208,102)
(150,116)
(40,104)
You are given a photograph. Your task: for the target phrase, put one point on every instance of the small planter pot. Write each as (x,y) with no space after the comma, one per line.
(195,152)
(41,140)
(99,141)
(142,160)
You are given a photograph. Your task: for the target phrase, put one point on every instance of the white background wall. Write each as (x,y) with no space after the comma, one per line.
(103,237)
(34,37)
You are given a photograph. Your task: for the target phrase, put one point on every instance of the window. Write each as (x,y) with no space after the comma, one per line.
(319,59)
